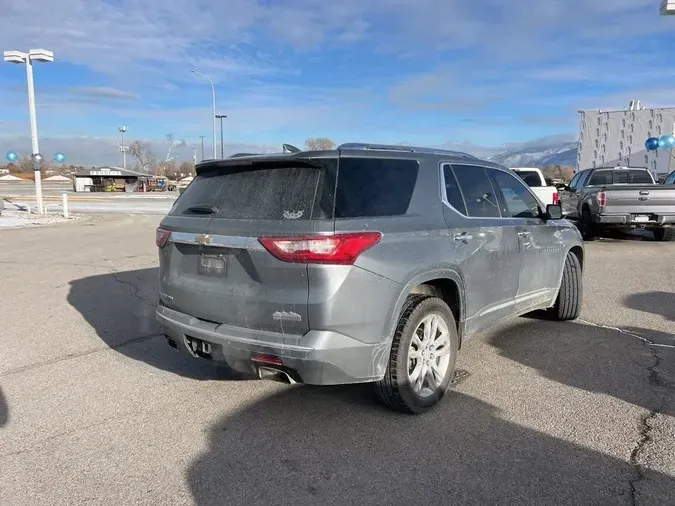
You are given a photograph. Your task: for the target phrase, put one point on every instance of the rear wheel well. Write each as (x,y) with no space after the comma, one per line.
(448,291)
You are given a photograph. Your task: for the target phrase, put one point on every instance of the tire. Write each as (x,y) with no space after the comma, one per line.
(568,303)
(396,389)
(664,234)
(586,226)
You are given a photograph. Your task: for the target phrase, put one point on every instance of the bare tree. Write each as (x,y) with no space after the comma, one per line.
(187,169)
(25,165)
(319,144)
(144,156)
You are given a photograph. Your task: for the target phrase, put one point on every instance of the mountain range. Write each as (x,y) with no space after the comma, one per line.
(563,154)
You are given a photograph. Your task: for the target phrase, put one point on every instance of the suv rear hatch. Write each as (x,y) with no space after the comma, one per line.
(213,264)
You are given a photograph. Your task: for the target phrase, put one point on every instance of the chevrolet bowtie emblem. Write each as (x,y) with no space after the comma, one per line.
(204,239)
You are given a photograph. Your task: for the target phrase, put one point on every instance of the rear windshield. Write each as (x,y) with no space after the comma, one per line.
(531,178)
(259,193)
(366,187)
(621,176)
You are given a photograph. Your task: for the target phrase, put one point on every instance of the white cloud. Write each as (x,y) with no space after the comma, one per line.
(105,92)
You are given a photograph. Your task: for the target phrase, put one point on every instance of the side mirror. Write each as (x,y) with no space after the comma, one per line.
(553,212)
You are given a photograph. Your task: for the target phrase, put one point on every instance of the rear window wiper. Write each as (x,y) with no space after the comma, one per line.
(202,209)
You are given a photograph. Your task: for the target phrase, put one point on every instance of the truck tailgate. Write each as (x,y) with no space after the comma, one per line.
(639,199)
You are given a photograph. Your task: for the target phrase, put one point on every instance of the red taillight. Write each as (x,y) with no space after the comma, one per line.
(161,237)
(556,198)
(340,249)
(602,199)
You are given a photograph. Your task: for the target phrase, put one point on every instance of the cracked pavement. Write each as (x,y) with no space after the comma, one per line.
(95,408)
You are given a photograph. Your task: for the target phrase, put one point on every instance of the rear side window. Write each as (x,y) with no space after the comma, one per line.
(670,179)
(531,178)
(452,191)
(481,200)
(371,187)
(260,193)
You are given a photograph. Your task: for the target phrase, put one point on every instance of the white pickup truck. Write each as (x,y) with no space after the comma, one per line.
(536,181)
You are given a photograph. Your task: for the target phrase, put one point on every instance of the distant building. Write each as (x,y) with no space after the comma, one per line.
(99,179)
(611,138)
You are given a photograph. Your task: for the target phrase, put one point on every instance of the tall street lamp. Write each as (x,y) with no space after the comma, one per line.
(39,55)
(220,117)
(123,147)
(213,94)
(668,7)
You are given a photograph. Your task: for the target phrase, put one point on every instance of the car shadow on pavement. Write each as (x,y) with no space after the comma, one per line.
(658,303)
(120,306)
(321,445)
(4,410)
(589,358)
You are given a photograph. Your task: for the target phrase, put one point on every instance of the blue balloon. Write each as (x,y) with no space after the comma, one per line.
(667,141)
(11,156)
(60,157)
(652,144)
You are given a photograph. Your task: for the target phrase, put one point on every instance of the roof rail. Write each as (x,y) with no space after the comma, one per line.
(409,149)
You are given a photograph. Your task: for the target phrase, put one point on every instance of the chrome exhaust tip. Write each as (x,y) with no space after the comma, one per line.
(273,374)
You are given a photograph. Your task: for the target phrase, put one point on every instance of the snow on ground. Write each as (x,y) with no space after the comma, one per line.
(15,219)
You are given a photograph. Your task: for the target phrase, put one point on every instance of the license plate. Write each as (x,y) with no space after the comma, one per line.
(213,265)
(640,218)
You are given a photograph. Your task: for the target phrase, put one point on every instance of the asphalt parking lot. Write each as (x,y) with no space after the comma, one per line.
(96,409)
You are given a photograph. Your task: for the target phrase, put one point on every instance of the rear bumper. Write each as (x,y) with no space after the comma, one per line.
(316,358)
(658,220)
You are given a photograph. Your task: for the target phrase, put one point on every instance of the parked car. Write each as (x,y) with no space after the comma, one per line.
(619,197)
(367,263)
(535,179)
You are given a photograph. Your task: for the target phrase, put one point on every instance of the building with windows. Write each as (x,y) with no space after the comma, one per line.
(611,138)
(111,179)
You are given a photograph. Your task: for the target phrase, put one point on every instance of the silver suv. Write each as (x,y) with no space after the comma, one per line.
(367,263)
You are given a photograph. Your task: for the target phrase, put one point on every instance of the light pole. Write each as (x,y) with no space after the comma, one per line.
(40,55)
(220,117)
(668,7)
(213,95)
(202,138)
(123,148)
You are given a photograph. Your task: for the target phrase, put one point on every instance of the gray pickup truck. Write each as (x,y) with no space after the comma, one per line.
(620,198)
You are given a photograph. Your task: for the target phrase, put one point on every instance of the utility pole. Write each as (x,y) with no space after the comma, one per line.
(220,117)
(194,156)
(202,138)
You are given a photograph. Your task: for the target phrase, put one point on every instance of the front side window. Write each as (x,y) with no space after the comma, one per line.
(518,201)
(575,181)
(481,200)
(670,179)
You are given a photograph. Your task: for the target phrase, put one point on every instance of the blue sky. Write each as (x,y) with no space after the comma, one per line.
(432,72)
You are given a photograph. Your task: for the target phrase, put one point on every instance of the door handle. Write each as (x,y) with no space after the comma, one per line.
(524,234)
(463,237)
